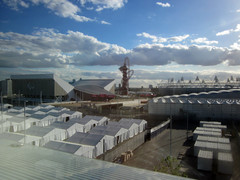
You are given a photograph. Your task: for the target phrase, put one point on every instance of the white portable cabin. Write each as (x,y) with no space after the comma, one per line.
(130,126)
(225,163)
(72,114)
(88,124)
(45,133)
(102,120)
(120,134)
(205,160)
(70,127)
(4,126)
(17,123)
(17,137)
(86,151)
(94,140)
(140,122)
(43,120)
(16,110)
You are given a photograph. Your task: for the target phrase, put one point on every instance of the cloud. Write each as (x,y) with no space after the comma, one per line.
(49,48)
(203,41)
(156,39)
(14,4)
(62,8)
(226,32)
(105,4)
(178,38)
(163,4)
(238,11)
(105,22)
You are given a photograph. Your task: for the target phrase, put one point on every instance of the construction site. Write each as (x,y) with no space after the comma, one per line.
(151,132)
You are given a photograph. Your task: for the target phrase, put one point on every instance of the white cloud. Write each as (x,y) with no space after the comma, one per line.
(178,38)
(49,48)
(163,4)
(203,41)
(156,39)
(226,32)
(105,4)
(238,11)
(105,22)
(62,8)
(14,4)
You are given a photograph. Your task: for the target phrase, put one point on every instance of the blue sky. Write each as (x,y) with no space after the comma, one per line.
(90,38)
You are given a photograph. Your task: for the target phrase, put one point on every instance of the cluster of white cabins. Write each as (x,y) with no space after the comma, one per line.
(64,130)
(210,146)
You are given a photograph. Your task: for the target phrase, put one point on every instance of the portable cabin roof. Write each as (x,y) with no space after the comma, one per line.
(62,146)
(97,118)
(38,131)
(86,138)
(11,136)
(61,125)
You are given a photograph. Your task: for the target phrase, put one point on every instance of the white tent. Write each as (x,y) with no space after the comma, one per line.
(102,120)
(17,137)
(88,124)
(17,123)
(70,127)
(94,140)
(43,120)
(120,134)
(45,133)
(141,123)
(80,150)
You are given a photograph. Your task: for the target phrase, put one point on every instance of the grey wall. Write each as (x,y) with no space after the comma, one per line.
(130,144)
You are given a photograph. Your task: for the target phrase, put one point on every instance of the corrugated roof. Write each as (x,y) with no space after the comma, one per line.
(31,162)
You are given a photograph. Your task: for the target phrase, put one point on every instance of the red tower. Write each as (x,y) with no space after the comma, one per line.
(127,74)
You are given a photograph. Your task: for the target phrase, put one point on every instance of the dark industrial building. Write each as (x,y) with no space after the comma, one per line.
(47,87)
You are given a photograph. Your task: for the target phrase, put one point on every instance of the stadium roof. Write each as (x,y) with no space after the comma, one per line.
(97,82)
(92,89)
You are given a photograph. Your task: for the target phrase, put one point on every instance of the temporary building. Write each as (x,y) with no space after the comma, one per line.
(225,163)
(223,127)
(4,126)
(88,124)
(140,122)
(214,139)
(72,114)
(120,134)
(209,122)
(196,133)
(205,160)
(102,120)
(45,133)
(43,120)
(203,106)
(76,149)
(130,126)
(94,140)
(20,123)
(70,127)
(17,137)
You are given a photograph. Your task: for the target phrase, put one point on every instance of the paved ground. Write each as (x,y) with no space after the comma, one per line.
(152,152)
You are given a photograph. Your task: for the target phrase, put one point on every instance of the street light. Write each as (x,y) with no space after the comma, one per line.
(25,122)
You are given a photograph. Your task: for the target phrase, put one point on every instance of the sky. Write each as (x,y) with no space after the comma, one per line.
(90,39)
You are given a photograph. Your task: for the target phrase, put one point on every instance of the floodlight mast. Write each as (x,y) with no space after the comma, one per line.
(127,74)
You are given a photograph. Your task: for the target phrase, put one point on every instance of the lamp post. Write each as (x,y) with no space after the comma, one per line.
(170,127)
(25,122)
